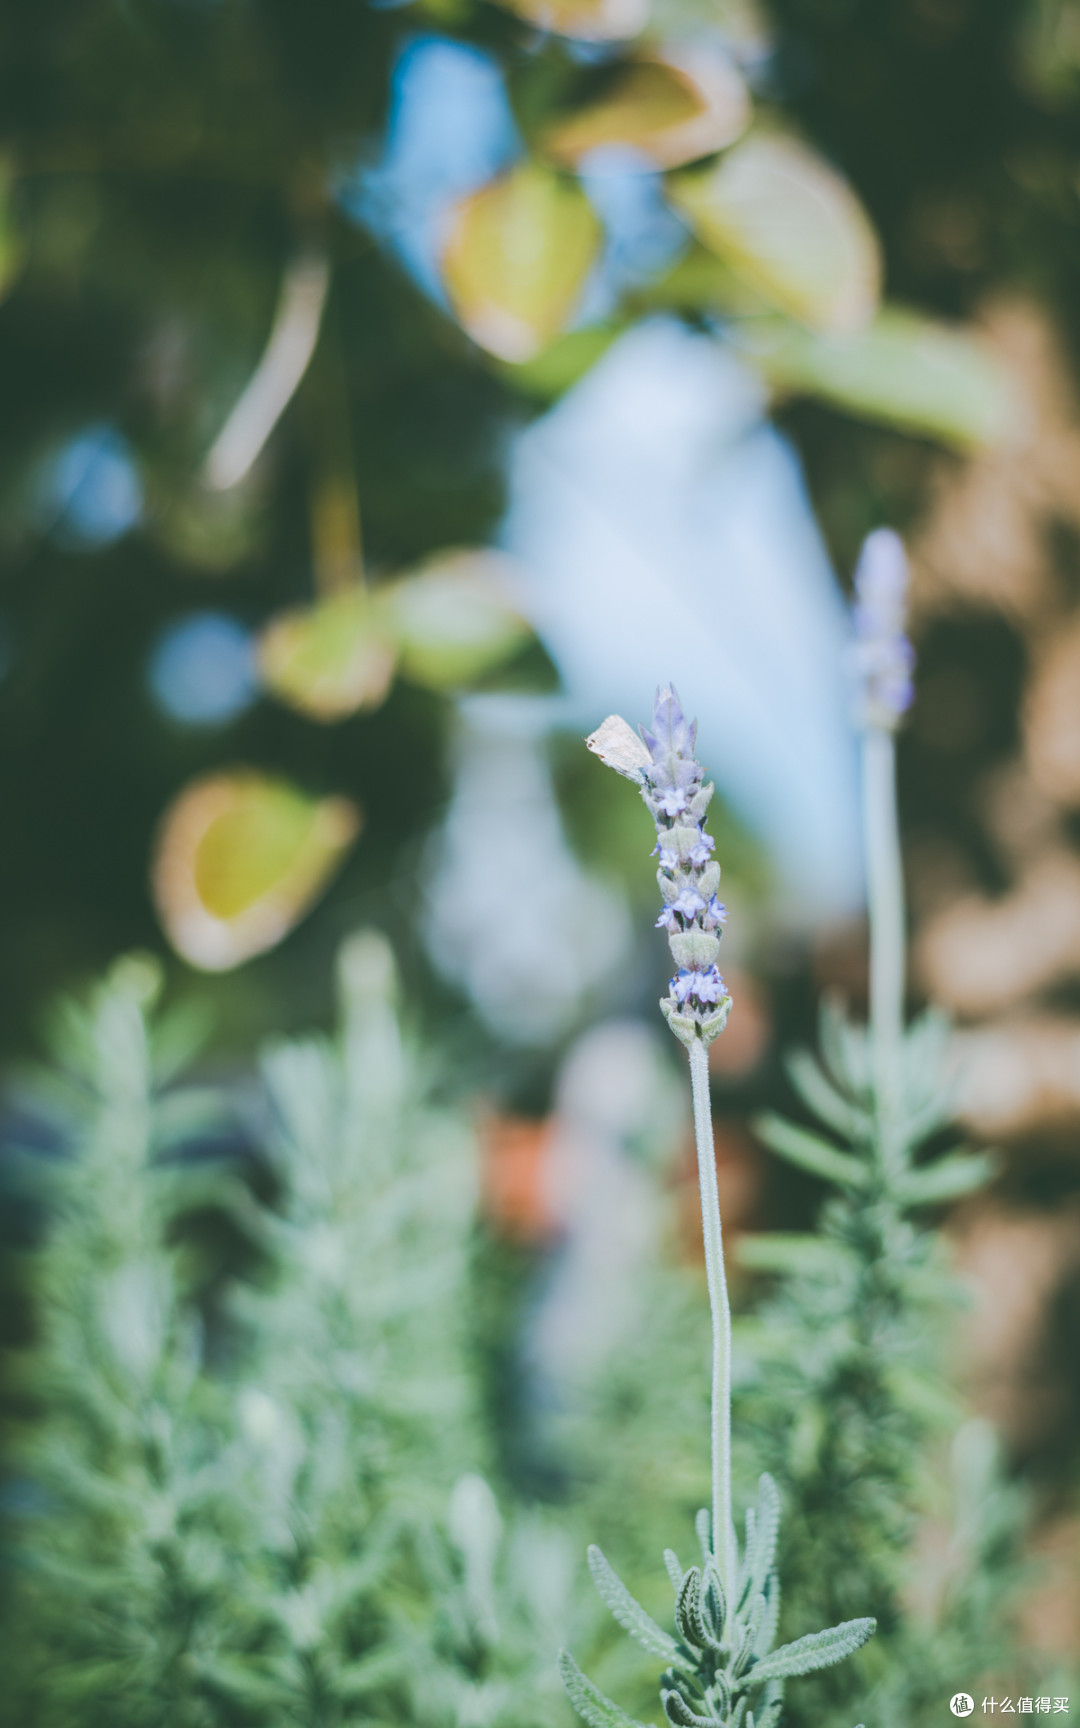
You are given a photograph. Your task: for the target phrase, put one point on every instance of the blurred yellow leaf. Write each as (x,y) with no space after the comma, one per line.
(331,659)
(12,248)
(902,369)
(240,858)
(586,20)
(791,226)
(672,109)
(455,617)
(517,257)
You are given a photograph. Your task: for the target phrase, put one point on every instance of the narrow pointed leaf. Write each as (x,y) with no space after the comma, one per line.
(680,1715)
(766,1637)
(816,1650)
(674,1569)
(767,1531)
(588,1700)
(901,370)
(784,1251)
(703,1527)
(836,1111)
(946,1179)
(800,1147)
(628,1612)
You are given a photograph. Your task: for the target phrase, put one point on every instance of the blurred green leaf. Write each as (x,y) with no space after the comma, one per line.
(673,110)
(240,858)
(455,618)
(810,1152)
(517,258)
(331,659)
(791,226)
(585,20)
(567,359)
(903,369)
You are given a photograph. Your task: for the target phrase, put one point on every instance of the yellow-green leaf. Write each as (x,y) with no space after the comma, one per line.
(902,369)
(517,257)
(240,858)
(12,248)
(331,659)
(455,618)
(585,20)
(791,226)
(672,109)
(567,359)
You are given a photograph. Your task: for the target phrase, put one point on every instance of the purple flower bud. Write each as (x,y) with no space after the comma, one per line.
(699,854)
(672,802)
(881,655)
(667,919)
(715,913)
(672,734)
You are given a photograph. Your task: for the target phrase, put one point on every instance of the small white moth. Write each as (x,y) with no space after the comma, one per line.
(618,746)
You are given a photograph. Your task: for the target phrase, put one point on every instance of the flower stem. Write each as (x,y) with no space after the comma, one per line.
(885,895)
(723,1526)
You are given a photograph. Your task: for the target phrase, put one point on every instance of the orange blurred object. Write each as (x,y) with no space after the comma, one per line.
(516,1178)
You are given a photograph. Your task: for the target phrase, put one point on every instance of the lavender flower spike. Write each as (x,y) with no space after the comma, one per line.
(671,782)
(882,656)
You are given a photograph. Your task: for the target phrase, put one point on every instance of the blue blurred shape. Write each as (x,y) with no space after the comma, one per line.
(88,492)
(643,234)
(450,130)
(666,533)
(202,670)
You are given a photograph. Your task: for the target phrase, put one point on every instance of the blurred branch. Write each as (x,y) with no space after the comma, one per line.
(286,358)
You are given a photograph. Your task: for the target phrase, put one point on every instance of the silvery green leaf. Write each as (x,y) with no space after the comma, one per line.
(787,1251)
(767,1530)
(703,1527)
(816,1650)
(588,1700)
(680,1715)
(845,1048)
(674,1570)
(690,1616)
(713,1601)
(947,1178)
(629,1613)
(687,1612)
(800,1147)
(823,1098)
(766,1636)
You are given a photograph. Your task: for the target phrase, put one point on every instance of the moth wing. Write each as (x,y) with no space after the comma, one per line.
(618,746)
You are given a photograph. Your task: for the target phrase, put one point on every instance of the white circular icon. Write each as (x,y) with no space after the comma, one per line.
(962,1704)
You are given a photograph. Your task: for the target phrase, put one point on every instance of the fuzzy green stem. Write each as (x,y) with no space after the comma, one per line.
(723,1525)
(885,894)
